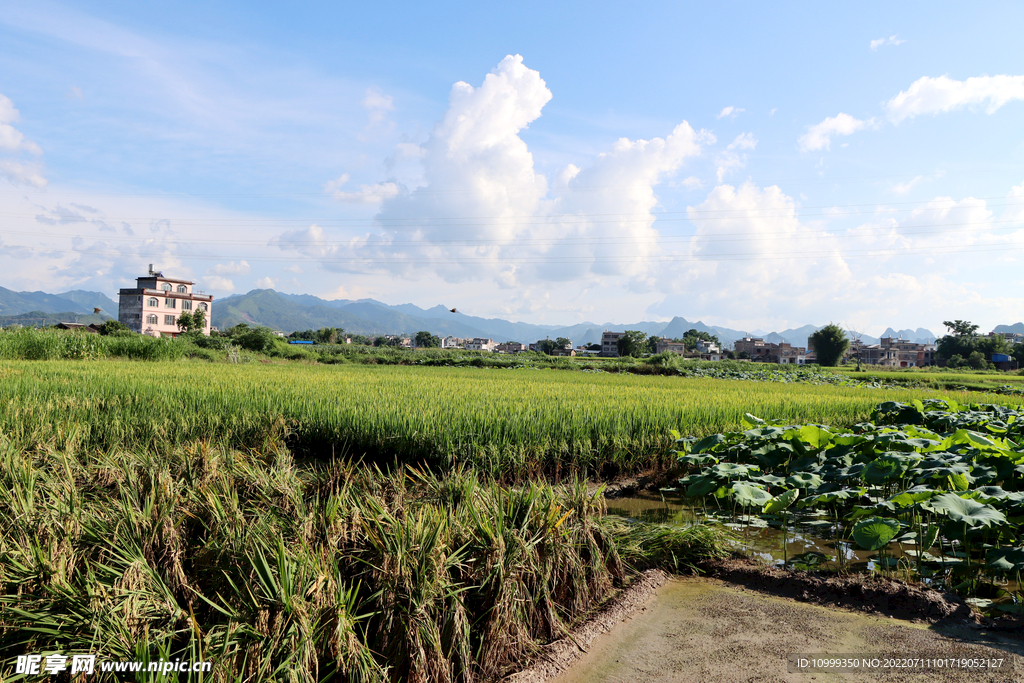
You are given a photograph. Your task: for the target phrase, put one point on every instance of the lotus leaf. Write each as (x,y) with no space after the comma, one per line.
(965,511)
(1005,560)
(702,487)
(698,459)
(804,480)
(782,501)
(748,495)
(874,533)
(912,496)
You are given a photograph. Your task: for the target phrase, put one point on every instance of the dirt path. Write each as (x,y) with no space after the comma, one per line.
(704,630)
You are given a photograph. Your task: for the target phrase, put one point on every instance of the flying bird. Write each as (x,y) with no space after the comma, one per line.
(97,311)
(454,311)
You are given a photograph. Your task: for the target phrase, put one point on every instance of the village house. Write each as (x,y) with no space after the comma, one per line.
(480,344)
(510,347)
(782,353)
(892,353)
(665,344)
(610,343)
(153,306)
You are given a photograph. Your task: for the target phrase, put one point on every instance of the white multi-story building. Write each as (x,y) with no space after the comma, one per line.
(153,306)
(480,344)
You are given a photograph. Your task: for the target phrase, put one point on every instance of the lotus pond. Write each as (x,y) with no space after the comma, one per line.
(930,489)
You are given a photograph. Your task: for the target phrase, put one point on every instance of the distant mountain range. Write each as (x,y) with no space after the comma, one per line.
(76,301)
(290,312)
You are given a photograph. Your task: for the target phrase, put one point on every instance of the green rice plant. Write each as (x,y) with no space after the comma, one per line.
(509,423)
(273,569)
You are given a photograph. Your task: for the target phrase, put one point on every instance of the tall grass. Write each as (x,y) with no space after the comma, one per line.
(275,571)
(510,423)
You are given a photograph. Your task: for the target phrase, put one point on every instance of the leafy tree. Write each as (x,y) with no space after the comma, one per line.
(259,340)
(977,360)
(693,336)
(426,340)
(115,328)
(547,346)
(185,322)
(830,343)
(955,361)
(632,343)
(964,341)
(192,322)
(563,343)
(1017,352)
(961,328)
(326,335)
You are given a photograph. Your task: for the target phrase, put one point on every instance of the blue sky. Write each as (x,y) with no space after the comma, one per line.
(750,166)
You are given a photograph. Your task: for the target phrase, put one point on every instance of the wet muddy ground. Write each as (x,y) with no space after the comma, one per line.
(706,630)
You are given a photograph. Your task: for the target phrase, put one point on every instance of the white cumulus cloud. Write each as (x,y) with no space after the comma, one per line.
(891,40)
(216,283)
(14,144)
(733,158)
(366,194)
(377,104)
(929,95)
(480,210)
(730,111)
(265,283)
(232,268)
(819,136)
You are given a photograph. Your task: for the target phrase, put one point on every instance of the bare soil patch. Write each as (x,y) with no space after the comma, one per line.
(742,620)
(873,594)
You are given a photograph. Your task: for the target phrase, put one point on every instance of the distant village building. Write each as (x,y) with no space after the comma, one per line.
(452,342)
(153,306)
(782,353)
(510,347)
(610,343)
(892,352)
(480,344)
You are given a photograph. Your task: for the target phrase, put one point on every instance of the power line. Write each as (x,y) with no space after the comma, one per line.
(781,212)
(655,258)
(542,241)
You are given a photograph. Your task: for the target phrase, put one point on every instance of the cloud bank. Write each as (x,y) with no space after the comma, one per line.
(481,210)
(943,94)
(819,136)
(14,147)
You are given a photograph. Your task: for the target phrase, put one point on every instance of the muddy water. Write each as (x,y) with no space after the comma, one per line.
(759,538)
(803,534)
(698,630)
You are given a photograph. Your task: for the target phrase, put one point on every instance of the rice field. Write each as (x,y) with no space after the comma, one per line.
(507,422)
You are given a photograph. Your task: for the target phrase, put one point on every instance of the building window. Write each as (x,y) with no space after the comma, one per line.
(201,307)
(186,305)
(168,320)
(151,319)
(153,302)
(169,303)
(166,286)
(182,289)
